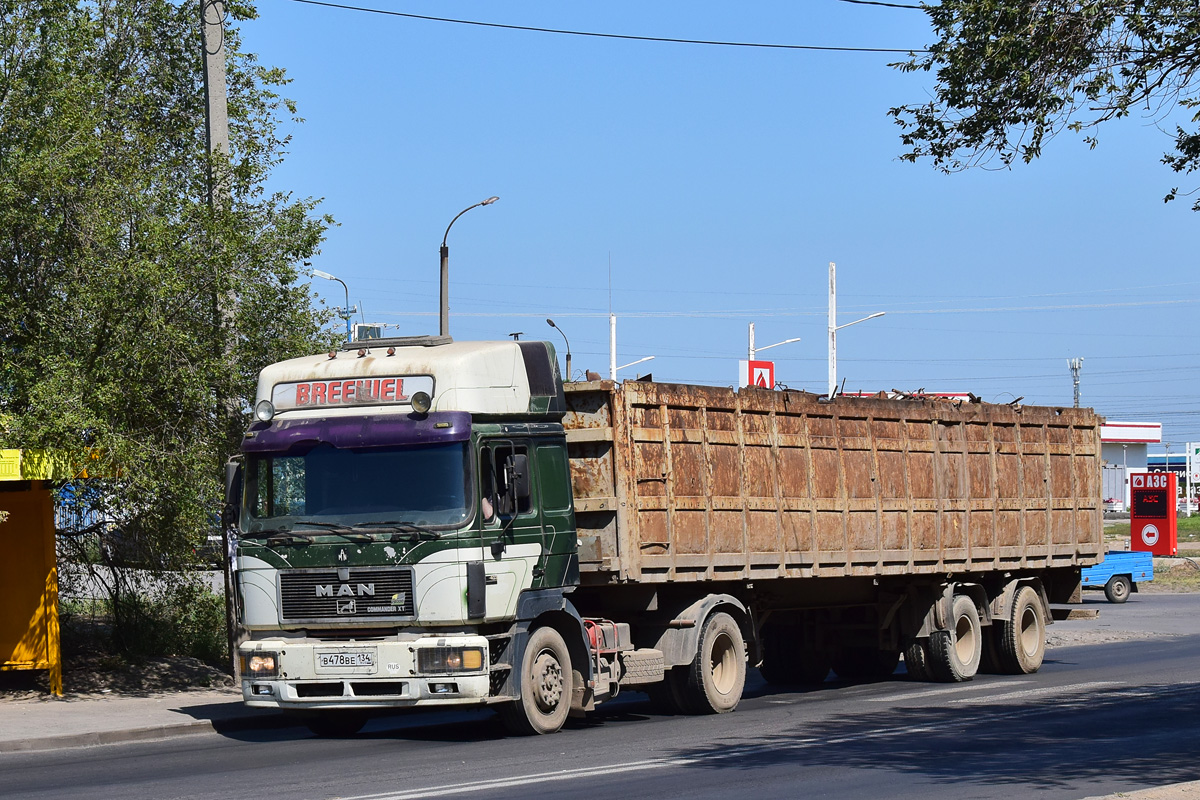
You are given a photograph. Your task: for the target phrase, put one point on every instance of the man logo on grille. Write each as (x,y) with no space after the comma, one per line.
(345,590)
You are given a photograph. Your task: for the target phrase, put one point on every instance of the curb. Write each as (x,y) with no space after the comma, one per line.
(199,727)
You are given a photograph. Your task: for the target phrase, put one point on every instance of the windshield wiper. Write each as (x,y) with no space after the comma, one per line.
(404,530)
(283,536)
(341,530)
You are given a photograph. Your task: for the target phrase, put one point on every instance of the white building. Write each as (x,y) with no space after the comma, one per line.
(1124,449)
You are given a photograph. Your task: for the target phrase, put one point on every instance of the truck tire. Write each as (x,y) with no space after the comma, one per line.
(1117,589)
(545,686)
(335,724)
(864,663)
(916,661)
(787,662)
(714,681)
(954,654)
(1020,641)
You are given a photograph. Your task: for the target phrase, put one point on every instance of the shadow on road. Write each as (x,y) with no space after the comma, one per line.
(1142,734)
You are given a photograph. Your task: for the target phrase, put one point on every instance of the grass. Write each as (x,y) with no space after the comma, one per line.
(1175,575)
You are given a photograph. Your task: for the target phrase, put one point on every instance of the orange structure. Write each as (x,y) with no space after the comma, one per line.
(29,571)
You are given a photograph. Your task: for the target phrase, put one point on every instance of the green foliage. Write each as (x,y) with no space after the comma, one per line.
(167,615)
(1011,74)
(115,272)
(179,619)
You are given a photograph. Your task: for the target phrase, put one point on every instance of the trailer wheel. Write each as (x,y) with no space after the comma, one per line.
(916,661)
(954,654)
(335,724)
(857,663)
(1020,642)
(1117,589)
(545,686)
(714,682)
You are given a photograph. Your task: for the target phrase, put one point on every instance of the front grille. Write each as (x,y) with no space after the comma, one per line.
(338,594)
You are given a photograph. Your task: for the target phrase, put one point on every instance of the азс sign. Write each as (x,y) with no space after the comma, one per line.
(757,373)
(1152,517)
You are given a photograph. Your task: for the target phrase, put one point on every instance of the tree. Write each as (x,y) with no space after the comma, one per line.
(111,260)
(1011,74)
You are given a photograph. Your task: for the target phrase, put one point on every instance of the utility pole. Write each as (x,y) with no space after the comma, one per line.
(834,327)
(216,112)
(612,346)
(1075,364)
(216,129)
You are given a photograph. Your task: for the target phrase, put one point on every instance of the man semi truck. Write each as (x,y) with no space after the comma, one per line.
(428,523)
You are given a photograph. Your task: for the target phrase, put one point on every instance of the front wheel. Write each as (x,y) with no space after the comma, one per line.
(1117,589)
(545,686)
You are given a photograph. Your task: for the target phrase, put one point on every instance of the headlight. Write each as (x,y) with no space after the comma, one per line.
(265,410)
(440,660)
(260,664)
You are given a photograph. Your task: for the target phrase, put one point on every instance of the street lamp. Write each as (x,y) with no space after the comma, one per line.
(834,327)
(444,309)
(347,312)
(754,349)
(550,322)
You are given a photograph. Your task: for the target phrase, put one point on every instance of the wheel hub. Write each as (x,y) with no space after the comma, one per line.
(547,682)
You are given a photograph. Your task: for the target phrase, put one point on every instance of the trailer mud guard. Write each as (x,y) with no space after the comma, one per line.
(681,636)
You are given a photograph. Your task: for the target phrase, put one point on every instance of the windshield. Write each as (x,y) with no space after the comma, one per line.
(419,485)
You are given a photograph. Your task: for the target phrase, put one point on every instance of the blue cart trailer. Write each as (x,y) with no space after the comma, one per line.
(1119,574)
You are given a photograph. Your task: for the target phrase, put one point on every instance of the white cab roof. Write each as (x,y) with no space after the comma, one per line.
(478,377)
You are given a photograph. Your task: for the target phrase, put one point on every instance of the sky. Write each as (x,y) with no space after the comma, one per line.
(694,189)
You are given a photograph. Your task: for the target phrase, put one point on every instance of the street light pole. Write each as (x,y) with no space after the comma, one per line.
(444,303)
(754,350)
(550,322)
(834,327)
(346,311)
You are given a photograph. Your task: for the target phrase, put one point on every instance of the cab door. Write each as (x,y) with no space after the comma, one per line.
(513,543)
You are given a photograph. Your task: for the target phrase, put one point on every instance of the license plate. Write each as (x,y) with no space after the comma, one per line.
(345,660)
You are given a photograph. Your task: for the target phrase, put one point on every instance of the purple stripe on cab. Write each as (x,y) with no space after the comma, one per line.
(388,430)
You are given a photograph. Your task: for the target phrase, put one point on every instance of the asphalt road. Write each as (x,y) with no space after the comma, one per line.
(1113,716)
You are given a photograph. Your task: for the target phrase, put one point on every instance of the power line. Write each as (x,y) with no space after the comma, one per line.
(628,37)
(885,5)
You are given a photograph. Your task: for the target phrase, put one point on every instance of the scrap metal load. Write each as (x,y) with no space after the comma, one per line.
(690,483)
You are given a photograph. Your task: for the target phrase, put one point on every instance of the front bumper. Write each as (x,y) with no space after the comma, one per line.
(313,674)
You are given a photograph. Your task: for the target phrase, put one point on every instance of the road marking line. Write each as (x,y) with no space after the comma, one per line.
(990,687)
(1071,688)
(523,780)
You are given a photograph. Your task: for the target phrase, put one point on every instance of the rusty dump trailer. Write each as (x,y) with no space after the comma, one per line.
(839,533)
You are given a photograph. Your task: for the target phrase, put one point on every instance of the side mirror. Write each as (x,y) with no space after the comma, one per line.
(233,492)
(516,468)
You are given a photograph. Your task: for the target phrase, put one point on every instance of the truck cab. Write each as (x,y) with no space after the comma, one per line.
(396,505)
